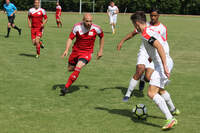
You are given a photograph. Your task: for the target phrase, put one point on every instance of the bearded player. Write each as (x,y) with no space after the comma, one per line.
(85,33)
(58,14)
(37,18)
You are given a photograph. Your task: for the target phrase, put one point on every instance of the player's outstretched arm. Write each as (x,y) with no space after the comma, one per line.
(162,55)
(68,44)
(101,45)
(127,37)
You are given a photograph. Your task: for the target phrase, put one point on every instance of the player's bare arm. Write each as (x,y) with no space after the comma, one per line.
(13,13)
(127,37)
(68,44)
(29,23)
(45,21)
(101,45)
(162,55)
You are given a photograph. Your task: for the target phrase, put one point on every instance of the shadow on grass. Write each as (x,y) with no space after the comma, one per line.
(107,32)
(27,55)
(128,113)
(136,93)
(72,89)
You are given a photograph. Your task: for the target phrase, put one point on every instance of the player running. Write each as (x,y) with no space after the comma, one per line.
(85,33)
(112,13)
(58,14)
(11,10)
(158,50)
(36,23)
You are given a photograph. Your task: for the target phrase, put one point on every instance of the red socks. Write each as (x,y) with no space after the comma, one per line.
(73,77)
(59,23)
(38,49)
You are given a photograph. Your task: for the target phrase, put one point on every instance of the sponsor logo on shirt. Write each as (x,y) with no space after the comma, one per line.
(90,33)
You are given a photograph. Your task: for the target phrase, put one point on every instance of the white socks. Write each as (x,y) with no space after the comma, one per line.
(132,85)
(162,106)
(168,100)
(113,28)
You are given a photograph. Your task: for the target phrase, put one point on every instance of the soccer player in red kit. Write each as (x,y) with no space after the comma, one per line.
(36,16)
(58,14)
(85,33)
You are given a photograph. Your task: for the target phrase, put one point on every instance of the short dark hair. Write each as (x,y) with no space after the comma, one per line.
(154,10)
(139,16)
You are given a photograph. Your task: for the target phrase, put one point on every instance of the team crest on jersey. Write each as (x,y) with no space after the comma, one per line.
(38,13)
(90,33)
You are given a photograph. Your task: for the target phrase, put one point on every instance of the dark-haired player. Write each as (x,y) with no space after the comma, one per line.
(143,63)
(158,50)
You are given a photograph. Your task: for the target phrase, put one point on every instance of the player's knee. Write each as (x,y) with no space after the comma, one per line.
(13,25)
(139,71)
(70,69)
(9,25)
(150,94)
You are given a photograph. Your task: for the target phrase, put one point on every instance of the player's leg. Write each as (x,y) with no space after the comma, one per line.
(140,68)
(8,29)
(57,22)
(114,23)
(160,102)
(166,96)
(73,77)
(14,26)
(156,84)
(111,23)
(37,42)
(60,21)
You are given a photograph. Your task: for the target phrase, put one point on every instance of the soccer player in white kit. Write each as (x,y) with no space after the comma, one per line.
(158,50)
(112,13)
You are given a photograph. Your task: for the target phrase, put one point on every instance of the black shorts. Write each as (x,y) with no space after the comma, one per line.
(11,19)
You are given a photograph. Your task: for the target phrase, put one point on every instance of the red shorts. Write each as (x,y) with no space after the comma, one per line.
(57,16)
(35,32)
(76,56)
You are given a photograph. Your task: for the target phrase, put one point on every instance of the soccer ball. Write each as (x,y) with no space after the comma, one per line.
(140,111)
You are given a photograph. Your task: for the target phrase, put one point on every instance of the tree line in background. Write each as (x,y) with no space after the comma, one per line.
(164,6)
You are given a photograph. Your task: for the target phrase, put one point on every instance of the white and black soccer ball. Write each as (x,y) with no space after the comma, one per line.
(140,111)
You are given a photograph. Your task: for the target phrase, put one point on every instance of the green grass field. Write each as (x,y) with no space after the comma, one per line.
(29,88)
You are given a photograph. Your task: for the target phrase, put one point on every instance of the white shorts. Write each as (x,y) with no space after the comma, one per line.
(158,77)
(113,19)
(150,65)
(143,57)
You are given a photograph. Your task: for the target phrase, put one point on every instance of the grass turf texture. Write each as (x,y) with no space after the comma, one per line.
(29,87)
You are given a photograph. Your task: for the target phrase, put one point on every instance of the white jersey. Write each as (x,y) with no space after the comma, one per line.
(147,35)
(143,55)
(112,10)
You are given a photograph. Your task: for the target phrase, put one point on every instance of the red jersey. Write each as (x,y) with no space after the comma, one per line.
(58,10)
(37,16)
(85,38)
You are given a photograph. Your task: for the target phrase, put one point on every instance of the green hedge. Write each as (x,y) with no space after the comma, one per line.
(165,6)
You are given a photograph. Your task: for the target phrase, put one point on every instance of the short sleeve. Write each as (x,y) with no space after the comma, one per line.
(14,7)
(73,33)
(44,14)
(29,13)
